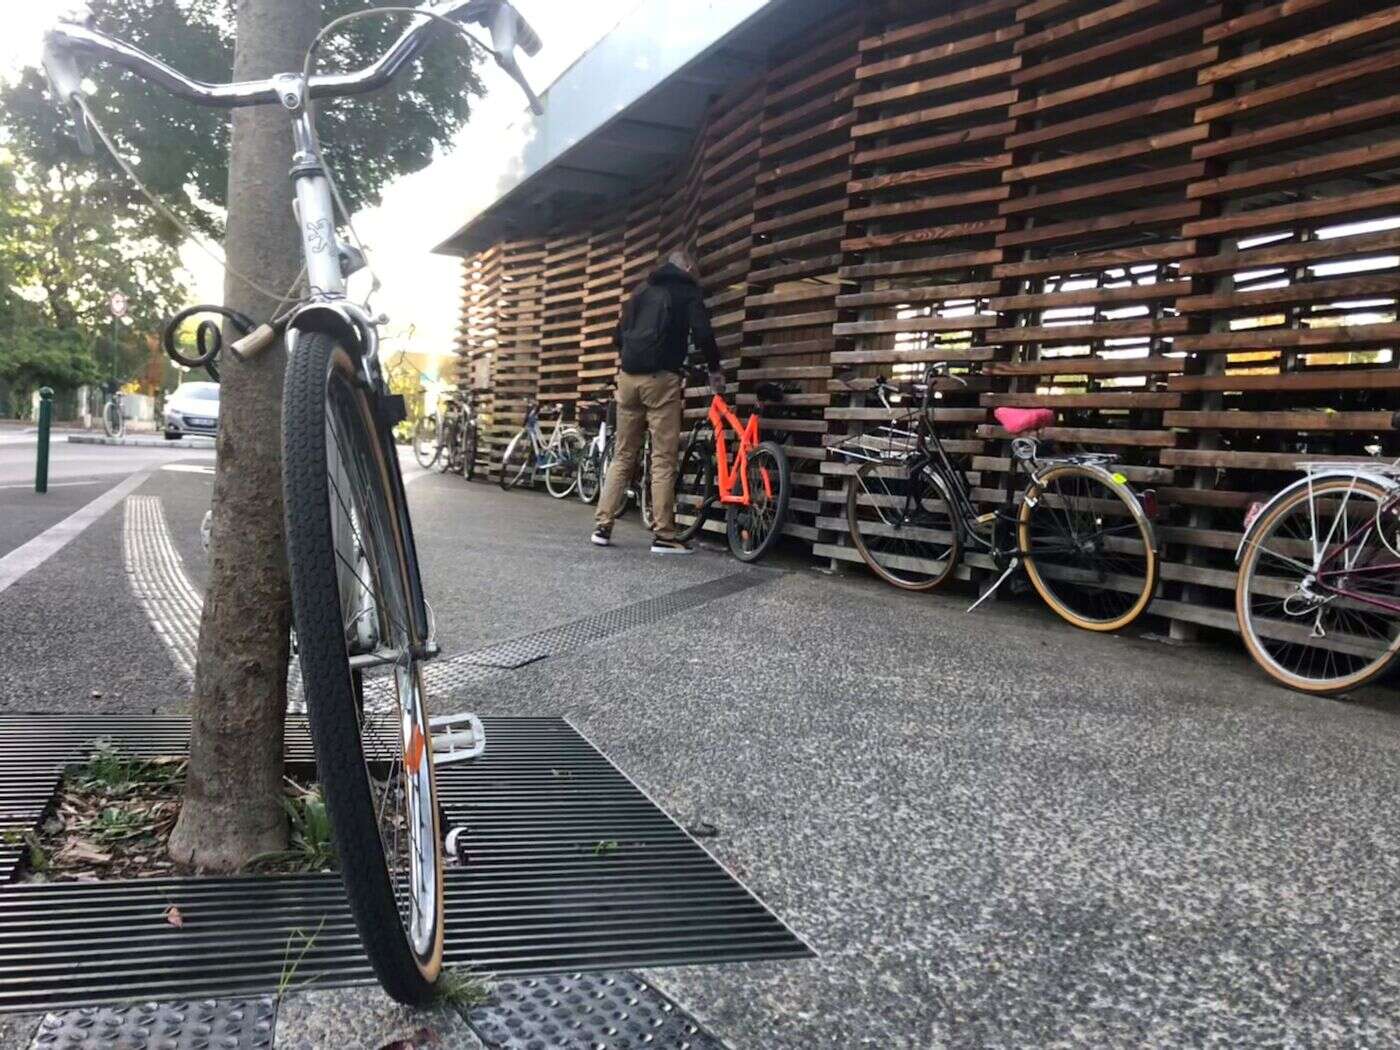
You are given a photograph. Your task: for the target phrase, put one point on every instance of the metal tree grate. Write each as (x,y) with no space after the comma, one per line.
(573,868)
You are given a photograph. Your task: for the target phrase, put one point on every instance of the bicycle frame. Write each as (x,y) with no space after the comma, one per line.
(1324,574)
(722,418)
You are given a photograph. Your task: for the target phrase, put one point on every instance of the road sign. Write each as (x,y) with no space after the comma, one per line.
(117,304)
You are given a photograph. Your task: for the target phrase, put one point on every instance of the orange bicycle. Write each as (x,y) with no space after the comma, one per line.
(753,486)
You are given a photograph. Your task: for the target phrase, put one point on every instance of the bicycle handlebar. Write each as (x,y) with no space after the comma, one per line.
(69,39)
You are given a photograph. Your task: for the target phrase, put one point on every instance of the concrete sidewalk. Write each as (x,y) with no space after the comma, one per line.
(996,830)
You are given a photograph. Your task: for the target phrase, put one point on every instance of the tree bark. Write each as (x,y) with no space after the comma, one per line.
(232,807)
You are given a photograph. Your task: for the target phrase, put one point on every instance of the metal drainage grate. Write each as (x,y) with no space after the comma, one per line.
(606,1011)
(573,868)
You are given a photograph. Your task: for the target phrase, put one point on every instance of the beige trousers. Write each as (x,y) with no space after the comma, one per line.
(650,401)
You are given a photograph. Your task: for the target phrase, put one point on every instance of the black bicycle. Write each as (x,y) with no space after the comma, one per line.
(1082,534)
(447,439)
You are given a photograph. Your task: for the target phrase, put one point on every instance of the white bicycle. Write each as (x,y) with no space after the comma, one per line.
(357,593)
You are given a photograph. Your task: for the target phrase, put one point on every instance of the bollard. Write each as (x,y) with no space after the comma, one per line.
(41,466)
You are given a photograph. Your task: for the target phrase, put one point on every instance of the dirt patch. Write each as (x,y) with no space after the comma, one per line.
(113,815)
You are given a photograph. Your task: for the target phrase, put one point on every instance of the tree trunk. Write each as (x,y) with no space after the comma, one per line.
(232,808)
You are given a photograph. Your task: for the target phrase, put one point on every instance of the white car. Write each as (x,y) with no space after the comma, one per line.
(192,409)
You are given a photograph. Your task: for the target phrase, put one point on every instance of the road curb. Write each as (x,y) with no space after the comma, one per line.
(142,442)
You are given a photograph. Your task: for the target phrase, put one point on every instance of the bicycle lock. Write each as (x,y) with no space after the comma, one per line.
(41,463)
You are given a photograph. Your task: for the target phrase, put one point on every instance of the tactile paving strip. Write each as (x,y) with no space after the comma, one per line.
(600,1011)
(209,1024)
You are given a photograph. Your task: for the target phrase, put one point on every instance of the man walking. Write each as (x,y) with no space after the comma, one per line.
(652,335)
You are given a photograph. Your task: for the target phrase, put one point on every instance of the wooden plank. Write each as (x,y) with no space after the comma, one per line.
(1097,400)
(1307,84)
(769,324)
(1077,333)
(1310,45)
(929,56)
(1229,459)
(955,261)
(1103,15)
(918,30)
(931,85)
(1235,419)
(1084,159)
(1288,173)
(1117,82)
(924,294)
(1290,382)
(937,202)
(1087,365)
(1302,129)
(1329,249)
(1291,338)
(1137,218)
(1154,36)
(1097,122)
(932,114)
(1150,179)
(1090,261)
(933,173)
(949,231)
(943,141)
(1116,437)
(1091,296)
(914,324)
(1305,291)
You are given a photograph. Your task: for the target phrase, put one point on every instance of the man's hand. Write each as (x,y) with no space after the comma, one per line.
(717,382)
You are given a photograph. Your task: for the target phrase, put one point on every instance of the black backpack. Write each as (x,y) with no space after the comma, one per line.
(645,331)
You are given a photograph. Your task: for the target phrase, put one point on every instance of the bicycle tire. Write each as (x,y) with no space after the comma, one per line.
(913,555)
(644,507)
(590,476)
(1095,590)
(340,486)
(695,486)
(425,433)
(470,441)
(1282,649)
(447,448)
(564,466)
(515,461)
(755,528)
(112,420)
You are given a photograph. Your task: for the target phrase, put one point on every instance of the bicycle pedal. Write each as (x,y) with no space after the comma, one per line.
(456,738)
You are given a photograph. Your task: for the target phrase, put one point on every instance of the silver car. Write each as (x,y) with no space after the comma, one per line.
(192,409)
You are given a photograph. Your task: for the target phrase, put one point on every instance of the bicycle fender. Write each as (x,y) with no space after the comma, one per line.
(1339,471)
(1106,476)
(339,319)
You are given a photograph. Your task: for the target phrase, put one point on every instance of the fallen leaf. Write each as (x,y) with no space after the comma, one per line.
(173,916)
(86,852)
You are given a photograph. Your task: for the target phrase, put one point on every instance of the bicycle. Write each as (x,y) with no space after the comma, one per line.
(598,457)
(1317,596)
(1084,537)
(754,486)
(356,586)
(114,415)
(530,452)
(448,441)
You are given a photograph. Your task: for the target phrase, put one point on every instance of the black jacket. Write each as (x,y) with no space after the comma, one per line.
(689,319)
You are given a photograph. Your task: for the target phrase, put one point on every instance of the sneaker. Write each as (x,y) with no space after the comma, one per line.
(660,546)
(602,537)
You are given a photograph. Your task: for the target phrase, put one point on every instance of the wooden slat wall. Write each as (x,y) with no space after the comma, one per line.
(1177,223)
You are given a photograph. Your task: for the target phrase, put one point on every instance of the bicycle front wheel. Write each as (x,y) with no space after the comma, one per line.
(695,482)
(448,440)
(561,475)
(1088,547)
(426,446)
(902,525)
(755,528)
(516,461)
(590,475)
(112,421)
(1304,604)
(469,449)
(349,554)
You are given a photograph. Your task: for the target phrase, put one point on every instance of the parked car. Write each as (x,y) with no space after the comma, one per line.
(192,409)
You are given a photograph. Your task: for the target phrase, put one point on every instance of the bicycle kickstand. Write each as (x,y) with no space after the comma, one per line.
(1015,564)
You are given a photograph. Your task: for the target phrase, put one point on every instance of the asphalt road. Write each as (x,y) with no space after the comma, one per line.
(996,831)
(78,474)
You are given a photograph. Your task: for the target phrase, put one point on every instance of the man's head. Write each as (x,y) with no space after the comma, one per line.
(682,260)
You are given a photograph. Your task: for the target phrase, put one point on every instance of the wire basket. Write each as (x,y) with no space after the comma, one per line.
(888,442)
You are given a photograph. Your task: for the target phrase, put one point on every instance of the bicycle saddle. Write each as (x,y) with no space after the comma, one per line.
(1019,420)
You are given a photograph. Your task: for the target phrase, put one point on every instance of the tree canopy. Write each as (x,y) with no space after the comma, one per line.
(181,150)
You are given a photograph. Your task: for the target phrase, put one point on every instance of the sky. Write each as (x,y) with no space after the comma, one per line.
(421,291)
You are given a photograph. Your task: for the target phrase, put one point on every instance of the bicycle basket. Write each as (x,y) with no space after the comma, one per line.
(591,415)
(896,439)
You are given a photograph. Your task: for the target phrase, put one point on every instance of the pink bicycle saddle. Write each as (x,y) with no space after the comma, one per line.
(1019,420)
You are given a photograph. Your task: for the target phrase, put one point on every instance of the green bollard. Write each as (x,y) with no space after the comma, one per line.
(41,467)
